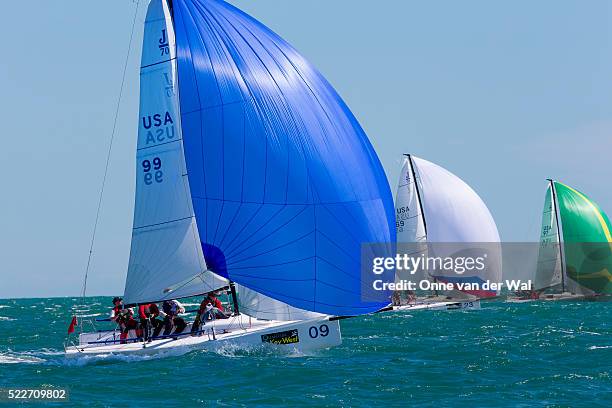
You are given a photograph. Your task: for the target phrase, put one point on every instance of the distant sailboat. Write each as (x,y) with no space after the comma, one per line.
(575,254)
(252,176)
(435,206)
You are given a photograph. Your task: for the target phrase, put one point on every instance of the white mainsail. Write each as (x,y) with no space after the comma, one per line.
(166,259)
(409,220)
(549,266)
(408,213)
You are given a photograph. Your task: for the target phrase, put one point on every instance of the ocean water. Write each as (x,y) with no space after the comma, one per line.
(530,354)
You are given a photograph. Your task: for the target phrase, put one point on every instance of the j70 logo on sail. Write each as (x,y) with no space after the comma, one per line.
(164,46)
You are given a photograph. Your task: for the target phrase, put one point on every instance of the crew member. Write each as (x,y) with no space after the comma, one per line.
(124,317)
(210,308)
(171,311)
(148,322)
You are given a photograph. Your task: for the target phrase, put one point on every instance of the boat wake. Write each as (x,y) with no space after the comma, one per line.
(58,358)
(28,357)
(264,350)
(18,359)
(599,347)
(116,358)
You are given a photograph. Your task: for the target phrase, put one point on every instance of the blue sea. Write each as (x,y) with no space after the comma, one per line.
(530,354)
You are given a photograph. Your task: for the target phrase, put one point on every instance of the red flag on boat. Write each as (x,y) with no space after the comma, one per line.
(72,324)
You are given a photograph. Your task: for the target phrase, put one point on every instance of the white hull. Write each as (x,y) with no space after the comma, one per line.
(462,305)
(565,296)
(519,300)
(240,332)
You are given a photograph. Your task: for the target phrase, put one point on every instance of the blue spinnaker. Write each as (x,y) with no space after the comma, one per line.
(285,184)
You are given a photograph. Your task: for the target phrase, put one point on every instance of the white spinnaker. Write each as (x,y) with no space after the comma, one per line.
(549,270)
(455,214)
(408,214)
(255,304)
(166,259)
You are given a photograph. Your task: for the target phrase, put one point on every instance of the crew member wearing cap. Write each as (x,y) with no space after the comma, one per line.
(124,317)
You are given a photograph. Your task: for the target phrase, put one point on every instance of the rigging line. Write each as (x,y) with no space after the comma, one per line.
(110,147)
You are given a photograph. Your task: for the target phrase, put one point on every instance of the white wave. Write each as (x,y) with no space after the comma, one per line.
(19,359)
(233,350)
(599,347)
(127,358)
(6,319)
(4,306)
(44,352)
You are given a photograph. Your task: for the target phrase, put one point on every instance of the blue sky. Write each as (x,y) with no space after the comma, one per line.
(503,94)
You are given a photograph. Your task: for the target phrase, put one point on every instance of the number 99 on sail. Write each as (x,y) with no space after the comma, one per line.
(152,171)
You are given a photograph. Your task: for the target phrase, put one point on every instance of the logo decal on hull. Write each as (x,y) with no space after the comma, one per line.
(285,337)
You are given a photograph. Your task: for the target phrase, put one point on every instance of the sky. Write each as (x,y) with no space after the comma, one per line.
(503,94)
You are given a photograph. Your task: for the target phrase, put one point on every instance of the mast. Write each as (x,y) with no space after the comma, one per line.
(234,298)
(559,236)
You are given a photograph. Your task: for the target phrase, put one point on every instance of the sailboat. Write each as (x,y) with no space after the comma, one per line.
(252,177)
(438,214)
(575,253)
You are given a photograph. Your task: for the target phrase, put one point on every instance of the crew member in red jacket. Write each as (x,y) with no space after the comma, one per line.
(124,317)
(149,323)
(210,308)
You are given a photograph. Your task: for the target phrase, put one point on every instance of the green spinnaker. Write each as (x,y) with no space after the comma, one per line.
(587,240)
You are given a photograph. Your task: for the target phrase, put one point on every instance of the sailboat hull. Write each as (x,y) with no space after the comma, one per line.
(237,333)
(461,305)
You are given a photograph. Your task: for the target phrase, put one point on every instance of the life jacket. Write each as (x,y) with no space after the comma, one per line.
(154,310)
(122,315)
(216,303)
(117,309)
(213,301)
(144,311)
(169,308)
